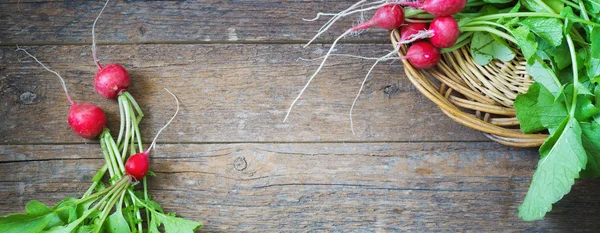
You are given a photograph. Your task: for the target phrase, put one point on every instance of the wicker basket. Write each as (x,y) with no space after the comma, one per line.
(479,97)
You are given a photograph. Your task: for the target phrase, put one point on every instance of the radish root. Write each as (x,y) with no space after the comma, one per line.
(351,10)
(94,37)
(388,56)
(168,122)
(315,74)
(423,34)
(62,80)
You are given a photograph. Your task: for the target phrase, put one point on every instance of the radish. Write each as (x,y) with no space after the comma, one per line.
(137,165)
(445,32)
(412,32)
(423,55)
(387,17)
(86,119)
(437,7)
(113,79)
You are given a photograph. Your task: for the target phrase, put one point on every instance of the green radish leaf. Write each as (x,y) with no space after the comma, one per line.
(568,14)
(585,108)
(527,43)
(533,5)
(595,36)
(116,223)
(154,206)
(592,67)
(549,29)
(86,229)
(484,49)
(541,73)
(563,158)
(527,110)
(69,214)
(75,224)
(497,1)
(538,109)
(172,223)
(560,55)
(592,5)
(552,110)
(591,143)
(36,218)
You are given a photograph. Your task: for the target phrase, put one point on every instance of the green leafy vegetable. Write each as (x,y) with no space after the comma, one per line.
(549,29)
(560,40)
(563,157)
(485,48)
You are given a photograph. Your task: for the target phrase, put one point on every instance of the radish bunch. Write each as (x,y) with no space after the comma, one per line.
(424,41)
(126,161)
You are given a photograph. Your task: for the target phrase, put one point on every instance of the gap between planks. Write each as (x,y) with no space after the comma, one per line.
(251,142)
(196,42)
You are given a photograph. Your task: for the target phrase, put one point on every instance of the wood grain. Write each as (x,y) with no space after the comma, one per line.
(43,22)
(229,93)
(386,187)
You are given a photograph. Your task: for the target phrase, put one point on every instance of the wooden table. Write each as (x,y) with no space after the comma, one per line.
(228,159)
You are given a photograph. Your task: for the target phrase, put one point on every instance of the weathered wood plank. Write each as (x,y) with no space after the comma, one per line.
(168,21)
(303,187)
(229,93)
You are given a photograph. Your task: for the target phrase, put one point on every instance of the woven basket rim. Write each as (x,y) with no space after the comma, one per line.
(505,136)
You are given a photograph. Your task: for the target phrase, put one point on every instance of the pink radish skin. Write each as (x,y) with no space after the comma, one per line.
(438,7)
(445,32)
(137,165)
(111,80)
(86,120)
(411,29)
(387,17)
(423,55)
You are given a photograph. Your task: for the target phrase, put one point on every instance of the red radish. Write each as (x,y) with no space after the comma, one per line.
(414,32)
(409,30)
(423,55)
(112,79)
(437,7)
(387,17)
(87,120)
(137,165)
(445,32)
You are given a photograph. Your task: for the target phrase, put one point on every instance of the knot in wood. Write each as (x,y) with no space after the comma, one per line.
(240,164)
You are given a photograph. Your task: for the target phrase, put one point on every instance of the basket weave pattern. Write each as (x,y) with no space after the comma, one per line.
(479,97)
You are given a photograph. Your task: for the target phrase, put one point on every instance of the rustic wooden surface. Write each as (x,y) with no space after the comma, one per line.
(228,159)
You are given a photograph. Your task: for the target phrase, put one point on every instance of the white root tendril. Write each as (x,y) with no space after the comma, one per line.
(94,37)
(350,10)
(62,80)
(315,74)
(422,34)
(168,122)
(388,56)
